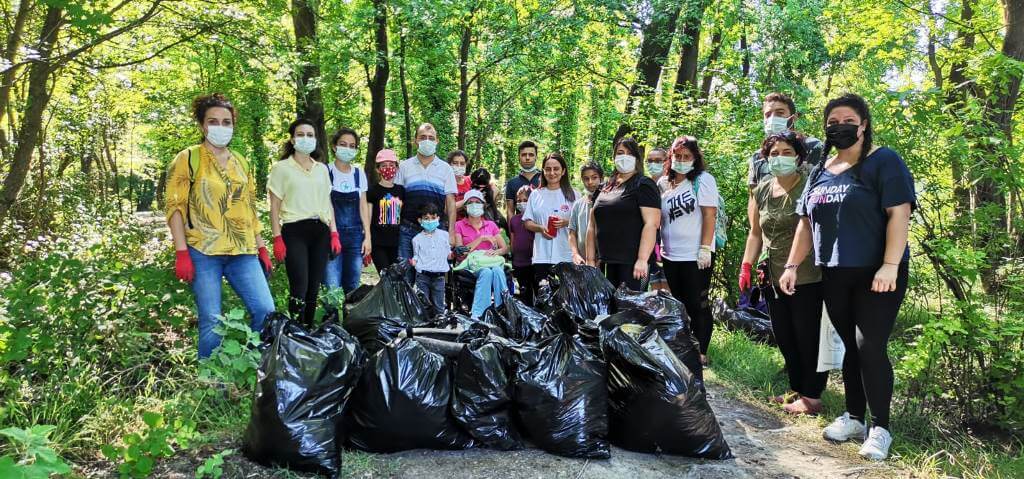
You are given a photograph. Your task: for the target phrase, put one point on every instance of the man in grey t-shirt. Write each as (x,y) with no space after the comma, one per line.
(779,112)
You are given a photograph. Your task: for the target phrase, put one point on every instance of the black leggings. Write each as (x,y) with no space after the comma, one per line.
(864,320)
(690,285)
(308,244)
(796,324)
(383,257)
(527,283)
(619,273)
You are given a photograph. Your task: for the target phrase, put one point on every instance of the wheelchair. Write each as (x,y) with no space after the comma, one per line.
(459,286)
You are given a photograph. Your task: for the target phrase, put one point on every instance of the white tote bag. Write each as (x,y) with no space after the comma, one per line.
(830,345)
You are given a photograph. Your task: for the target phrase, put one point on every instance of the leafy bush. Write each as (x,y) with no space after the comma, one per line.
(33,458)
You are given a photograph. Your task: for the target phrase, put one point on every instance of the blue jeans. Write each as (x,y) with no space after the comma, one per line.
(246,277)
(432,285)
(344,270)
(406,232)
(488,281)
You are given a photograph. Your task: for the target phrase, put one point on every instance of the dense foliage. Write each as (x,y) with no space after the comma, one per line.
(97,338)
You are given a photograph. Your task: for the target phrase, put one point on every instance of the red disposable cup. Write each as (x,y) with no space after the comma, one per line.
(552,230)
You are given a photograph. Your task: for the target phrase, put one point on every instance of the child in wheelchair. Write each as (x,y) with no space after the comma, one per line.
(482,263)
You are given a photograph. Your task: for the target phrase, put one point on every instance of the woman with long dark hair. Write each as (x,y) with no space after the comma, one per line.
(688,208)
(547,215)
(625,219)
(302,218)
(796,319)
(211,211)
(855,213)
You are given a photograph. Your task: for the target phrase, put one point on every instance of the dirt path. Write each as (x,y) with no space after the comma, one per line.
(765,446)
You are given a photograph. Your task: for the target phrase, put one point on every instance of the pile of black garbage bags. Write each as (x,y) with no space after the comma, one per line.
(591,366)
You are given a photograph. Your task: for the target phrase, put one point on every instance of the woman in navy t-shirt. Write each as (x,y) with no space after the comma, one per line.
(856,212)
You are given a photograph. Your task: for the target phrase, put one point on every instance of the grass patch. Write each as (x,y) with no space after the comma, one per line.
(924,444)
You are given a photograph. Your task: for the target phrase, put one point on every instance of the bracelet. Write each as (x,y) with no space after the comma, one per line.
(790,266)
(890,264)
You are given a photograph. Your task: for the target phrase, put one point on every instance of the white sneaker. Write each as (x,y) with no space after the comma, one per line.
(844,429)
(876,447)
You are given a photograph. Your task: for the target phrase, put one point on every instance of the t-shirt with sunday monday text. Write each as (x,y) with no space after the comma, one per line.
(847,211)
(682,218)
(543,203)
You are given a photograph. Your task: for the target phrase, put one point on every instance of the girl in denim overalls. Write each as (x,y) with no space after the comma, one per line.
(351,215)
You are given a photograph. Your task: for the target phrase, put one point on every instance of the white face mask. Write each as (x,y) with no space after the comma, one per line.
(218,135)
(345,154)
(682,167)
(475,210)
(775,124)
(782,165)
(625,163)
(459,170)
(521,207)
(427,147)
(305,144)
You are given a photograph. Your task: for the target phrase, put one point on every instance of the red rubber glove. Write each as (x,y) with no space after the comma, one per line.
(745,273)
(366,261)
(335,244)
(265,260)
(279,249)
(183,267)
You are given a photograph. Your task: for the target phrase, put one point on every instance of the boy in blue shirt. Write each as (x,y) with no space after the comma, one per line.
(431,252)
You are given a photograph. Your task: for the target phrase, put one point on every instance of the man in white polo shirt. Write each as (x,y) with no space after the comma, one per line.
(426,179)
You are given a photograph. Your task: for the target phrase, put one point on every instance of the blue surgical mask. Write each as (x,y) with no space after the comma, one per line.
(782,165)
(475,210)
(775,124)
(682,167)
(430,225)
(305,144)
(218,135)
(655,168)
(532,169)
(427,147)
(345,154)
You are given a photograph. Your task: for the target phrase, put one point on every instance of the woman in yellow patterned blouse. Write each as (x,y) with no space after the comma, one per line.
(211,211)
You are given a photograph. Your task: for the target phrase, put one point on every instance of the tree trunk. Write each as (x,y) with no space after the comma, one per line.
(989,191)
(689,50)
(31,123)
(464,44)
(309,102)
(716,49)
(745,48)
(961,88)
(654,49)
(405,98)
(378,88)
(7,80)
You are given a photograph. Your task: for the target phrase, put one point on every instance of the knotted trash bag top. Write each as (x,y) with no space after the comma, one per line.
(304,382)
(562,400)
(580,290)
(756,324)
(655,402)
(515,320)
(666,314)
(386,310)
(403,400)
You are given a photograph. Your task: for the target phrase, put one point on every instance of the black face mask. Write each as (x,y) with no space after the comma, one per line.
(842,135)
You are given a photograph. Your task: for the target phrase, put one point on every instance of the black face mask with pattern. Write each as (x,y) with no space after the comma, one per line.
(842,135)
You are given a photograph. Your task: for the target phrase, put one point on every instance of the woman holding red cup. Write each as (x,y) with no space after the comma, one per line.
(547,214)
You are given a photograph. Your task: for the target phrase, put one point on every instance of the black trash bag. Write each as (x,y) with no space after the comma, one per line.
(667,315)
(580,290)
(515,320)
(561,398)
(403,402)
(390,307)
(304,383)
(358,294)
(756,324)
(655,402)
(589,332)
(482,404)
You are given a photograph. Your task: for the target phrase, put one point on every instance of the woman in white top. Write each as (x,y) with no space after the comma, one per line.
(351,212)
(547,212)
(688,207)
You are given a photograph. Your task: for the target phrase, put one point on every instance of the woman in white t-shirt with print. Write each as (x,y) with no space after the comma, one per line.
(351,212)
(547,212)
(688,207)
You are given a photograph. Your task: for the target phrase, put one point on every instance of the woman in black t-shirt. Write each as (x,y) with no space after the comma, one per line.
(385,199)
(625,219)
